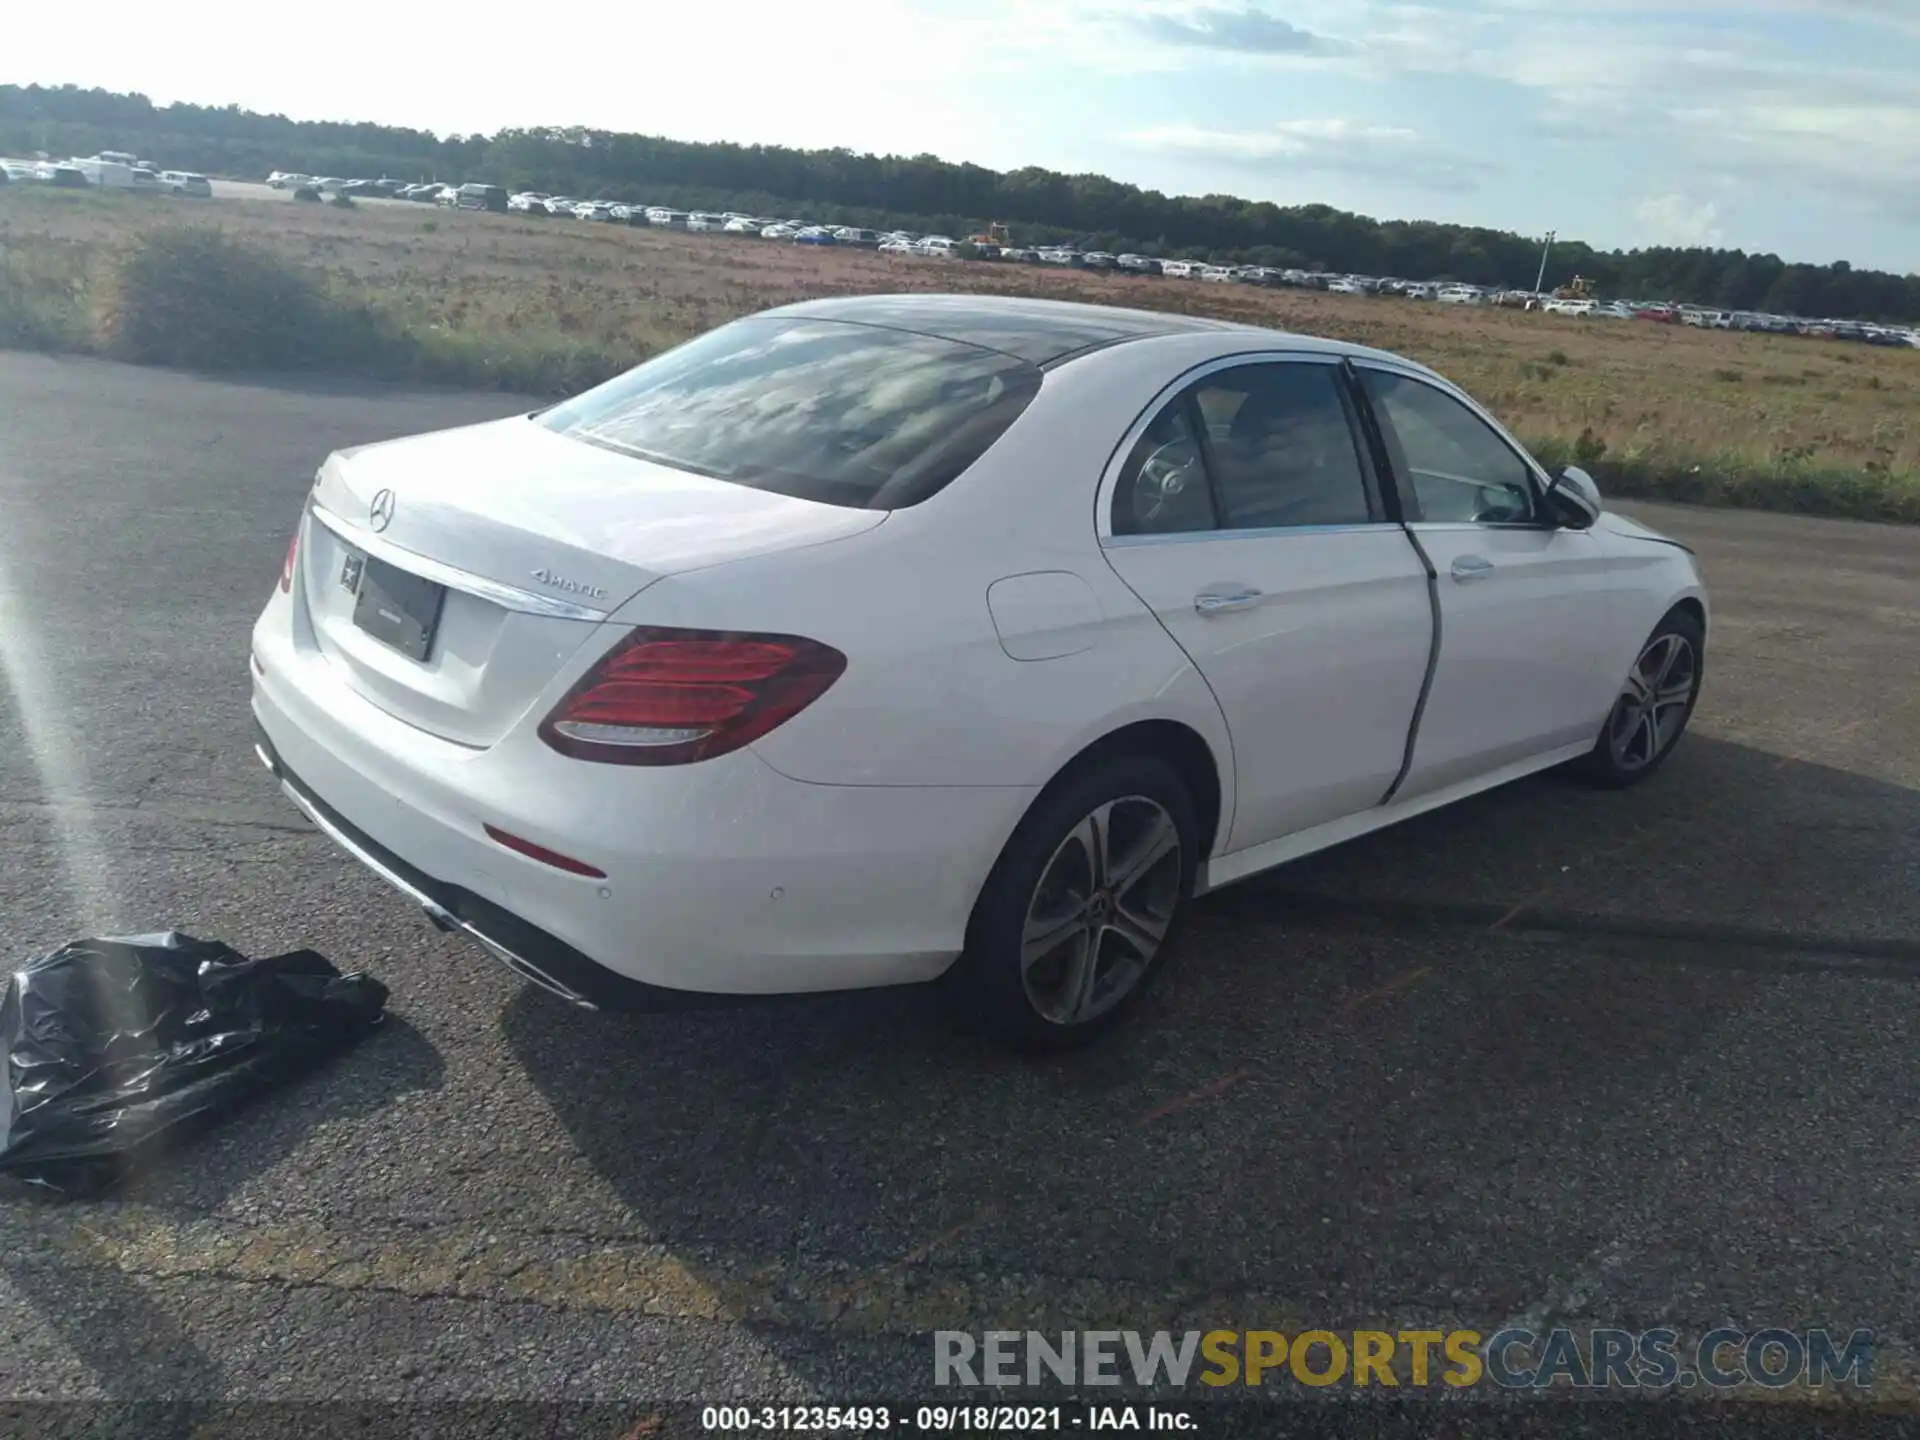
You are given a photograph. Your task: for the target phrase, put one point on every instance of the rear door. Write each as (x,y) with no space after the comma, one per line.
(1244,513)
(1523,602)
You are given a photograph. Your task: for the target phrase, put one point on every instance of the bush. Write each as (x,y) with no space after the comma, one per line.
(539,363)
(42,305)
(1791,481)
(198,299)
(308,194)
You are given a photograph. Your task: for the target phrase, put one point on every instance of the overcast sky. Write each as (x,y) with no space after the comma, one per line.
(1783,125)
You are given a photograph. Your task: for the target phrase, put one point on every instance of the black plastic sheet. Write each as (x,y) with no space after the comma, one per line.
(117,1048)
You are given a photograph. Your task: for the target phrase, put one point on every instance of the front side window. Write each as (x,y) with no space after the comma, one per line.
(844,414)
(1460,470)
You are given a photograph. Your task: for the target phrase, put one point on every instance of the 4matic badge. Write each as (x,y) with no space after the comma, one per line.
(572,587)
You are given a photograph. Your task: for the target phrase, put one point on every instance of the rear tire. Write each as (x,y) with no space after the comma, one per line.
(1078,914)
(1654,705)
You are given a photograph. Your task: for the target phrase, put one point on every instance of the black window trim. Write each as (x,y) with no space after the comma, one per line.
(1189,400)
(1182,390)
(1407,500)
(1379,453)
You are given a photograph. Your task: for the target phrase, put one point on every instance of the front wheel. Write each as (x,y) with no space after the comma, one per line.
(1078,914)
(1654,705)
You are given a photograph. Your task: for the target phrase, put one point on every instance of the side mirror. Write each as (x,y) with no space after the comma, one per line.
(1573,498)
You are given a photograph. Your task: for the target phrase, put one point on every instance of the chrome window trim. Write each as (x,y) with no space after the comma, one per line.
(508,597)
(1263,532)
(1424,527)
(1117,461)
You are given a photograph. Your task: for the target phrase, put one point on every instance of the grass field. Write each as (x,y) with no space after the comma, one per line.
(551,305)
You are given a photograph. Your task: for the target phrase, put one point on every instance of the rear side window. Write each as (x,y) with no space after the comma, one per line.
(1284,452)
(1164,488)
(1262,446)
(845,414)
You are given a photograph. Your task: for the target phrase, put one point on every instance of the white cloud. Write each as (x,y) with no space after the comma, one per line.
(1722,127)
(1708,101)
(1320,145)
(1861,155)
(1678,220)
(1243,29)
(1291,139)
(1896,14)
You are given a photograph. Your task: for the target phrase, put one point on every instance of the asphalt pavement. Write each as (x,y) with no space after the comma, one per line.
(1597,1059)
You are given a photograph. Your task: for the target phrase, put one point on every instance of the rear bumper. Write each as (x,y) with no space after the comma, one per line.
(528,951)
(721,879)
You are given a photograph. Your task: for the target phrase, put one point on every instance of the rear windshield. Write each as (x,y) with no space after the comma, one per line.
(845,414)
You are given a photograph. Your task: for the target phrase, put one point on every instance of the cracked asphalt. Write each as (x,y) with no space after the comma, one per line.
(1586,1059)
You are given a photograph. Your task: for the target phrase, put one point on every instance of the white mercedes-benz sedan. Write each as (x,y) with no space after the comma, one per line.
(890,639)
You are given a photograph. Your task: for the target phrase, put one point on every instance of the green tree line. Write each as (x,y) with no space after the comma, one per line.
(923,192)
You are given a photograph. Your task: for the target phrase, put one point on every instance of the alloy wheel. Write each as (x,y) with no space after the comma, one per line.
(1101,910)
(1653,706)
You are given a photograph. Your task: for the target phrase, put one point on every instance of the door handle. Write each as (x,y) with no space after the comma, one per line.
(1213,602)
(1471,567)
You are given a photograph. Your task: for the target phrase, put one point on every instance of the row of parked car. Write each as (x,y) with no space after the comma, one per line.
(997,245)
(383,189)
(1703,317)
(109,170)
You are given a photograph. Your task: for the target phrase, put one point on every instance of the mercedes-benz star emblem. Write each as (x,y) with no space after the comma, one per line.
(380,513)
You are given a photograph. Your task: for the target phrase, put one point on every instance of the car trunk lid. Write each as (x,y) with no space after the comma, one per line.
(449,577)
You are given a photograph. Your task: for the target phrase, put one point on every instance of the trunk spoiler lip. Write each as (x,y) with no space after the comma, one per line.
(508,597)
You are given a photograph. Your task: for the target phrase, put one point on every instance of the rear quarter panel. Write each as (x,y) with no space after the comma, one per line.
(931,697)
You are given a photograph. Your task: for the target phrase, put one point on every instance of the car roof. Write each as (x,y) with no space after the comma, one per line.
(1043,332)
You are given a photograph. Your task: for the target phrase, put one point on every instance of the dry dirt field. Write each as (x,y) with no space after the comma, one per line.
(1660,397)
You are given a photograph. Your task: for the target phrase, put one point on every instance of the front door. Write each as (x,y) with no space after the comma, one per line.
(1523,623)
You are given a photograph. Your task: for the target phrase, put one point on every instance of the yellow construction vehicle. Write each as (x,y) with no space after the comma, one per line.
(996,235)
(1578,288)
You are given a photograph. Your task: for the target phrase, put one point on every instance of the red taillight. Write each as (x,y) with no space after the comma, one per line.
(286,570)
(544,855)
(670,697)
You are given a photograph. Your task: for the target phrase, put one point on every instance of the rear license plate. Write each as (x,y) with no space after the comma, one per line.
(398,609)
